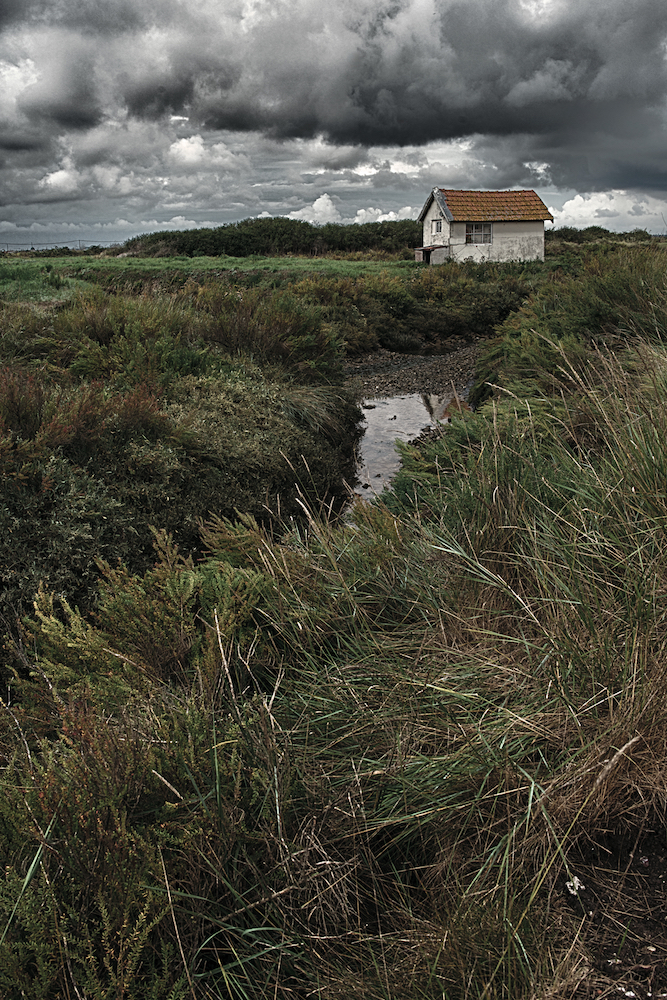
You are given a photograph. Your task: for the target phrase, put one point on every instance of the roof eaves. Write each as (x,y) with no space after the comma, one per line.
(439,196)
(427,203)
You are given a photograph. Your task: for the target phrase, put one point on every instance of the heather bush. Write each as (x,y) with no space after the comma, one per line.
(419,310)
(276,328)
(129,339)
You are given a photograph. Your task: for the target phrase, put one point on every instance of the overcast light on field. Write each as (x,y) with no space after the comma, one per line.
(130,116)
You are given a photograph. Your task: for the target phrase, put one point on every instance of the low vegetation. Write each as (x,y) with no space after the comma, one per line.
(121,412)
(274,236)
(414,752)
(362,305)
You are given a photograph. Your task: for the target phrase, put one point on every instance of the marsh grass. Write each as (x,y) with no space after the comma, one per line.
(120,411)
(363,303)
(364,758)
(33,281)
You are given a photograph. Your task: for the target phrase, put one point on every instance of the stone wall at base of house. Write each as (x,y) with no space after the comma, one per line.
(439,255)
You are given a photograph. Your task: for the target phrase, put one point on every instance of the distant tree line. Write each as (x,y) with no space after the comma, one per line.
(277,236)
(591,234)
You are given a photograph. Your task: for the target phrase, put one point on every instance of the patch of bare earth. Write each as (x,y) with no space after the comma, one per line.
(618,892)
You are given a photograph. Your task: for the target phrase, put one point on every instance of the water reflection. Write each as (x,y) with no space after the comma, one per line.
(402,417)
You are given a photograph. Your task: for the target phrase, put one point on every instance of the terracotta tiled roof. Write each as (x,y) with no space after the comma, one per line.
(489,206)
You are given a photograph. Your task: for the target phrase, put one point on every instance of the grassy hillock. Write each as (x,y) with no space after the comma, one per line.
(361,304)
(364,758)
(120,413)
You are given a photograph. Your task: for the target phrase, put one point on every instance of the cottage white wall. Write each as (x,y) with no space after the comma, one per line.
(430,238)
(509,241)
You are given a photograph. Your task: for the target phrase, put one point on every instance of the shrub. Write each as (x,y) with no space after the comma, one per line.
(270,328)
(280,236)
(102,467)
(620,295)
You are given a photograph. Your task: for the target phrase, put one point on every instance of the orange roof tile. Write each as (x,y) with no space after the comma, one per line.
(487,206)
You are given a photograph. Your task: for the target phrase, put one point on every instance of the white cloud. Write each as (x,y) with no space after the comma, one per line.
(322,210)
(377,215)
(65,181)
(176,222)
(405,167)
(14,78)
(189,152)
(199,152)
(620,211)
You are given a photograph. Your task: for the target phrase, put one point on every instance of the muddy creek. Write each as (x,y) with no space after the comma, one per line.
(401,396)
(386,420)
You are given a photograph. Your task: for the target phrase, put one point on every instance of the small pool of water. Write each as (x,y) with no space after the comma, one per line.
(402,417)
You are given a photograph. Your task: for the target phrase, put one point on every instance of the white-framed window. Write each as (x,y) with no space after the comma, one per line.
(478,232)
(436,226)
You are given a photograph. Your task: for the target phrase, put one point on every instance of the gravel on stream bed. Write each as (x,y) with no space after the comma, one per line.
(385,373)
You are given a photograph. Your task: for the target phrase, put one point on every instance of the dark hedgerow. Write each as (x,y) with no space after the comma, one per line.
(274,236)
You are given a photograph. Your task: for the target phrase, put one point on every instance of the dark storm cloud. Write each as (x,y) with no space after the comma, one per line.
(110,17)
(582,78)
(132,95)
(13,11)
(67,99)
(153,101)
(15,141)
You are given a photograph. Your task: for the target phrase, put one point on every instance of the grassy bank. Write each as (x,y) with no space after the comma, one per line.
(366,759)
(123,413)
(363,304)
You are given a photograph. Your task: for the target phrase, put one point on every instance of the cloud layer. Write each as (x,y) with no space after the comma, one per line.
(228,108)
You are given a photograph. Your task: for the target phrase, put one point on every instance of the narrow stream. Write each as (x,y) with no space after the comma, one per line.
(387,419)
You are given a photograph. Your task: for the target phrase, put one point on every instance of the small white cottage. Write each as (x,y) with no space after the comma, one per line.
(483,225)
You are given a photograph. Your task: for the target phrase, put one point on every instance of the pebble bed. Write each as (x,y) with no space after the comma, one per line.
(389,373)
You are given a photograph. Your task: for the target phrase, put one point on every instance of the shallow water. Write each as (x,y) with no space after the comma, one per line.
(402,417)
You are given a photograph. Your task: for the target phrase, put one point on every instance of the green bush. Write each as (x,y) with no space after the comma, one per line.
(276,328)
(280,236)
(87,471)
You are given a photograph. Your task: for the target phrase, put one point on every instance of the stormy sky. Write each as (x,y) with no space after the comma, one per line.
(126,116)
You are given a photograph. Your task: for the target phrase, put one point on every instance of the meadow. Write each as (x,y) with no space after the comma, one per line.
(410,752)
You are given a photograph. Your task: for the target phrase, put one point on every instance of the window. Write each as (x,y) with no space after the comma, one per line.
(436,226)
(478,232)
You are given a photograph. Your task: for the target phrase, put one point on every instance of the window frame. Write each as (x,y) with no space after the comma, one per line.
(436,226)
(479,233)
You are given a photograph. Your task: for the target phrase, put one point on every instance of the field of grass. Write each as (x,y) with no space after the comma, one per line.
(413,753)
(362,303)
